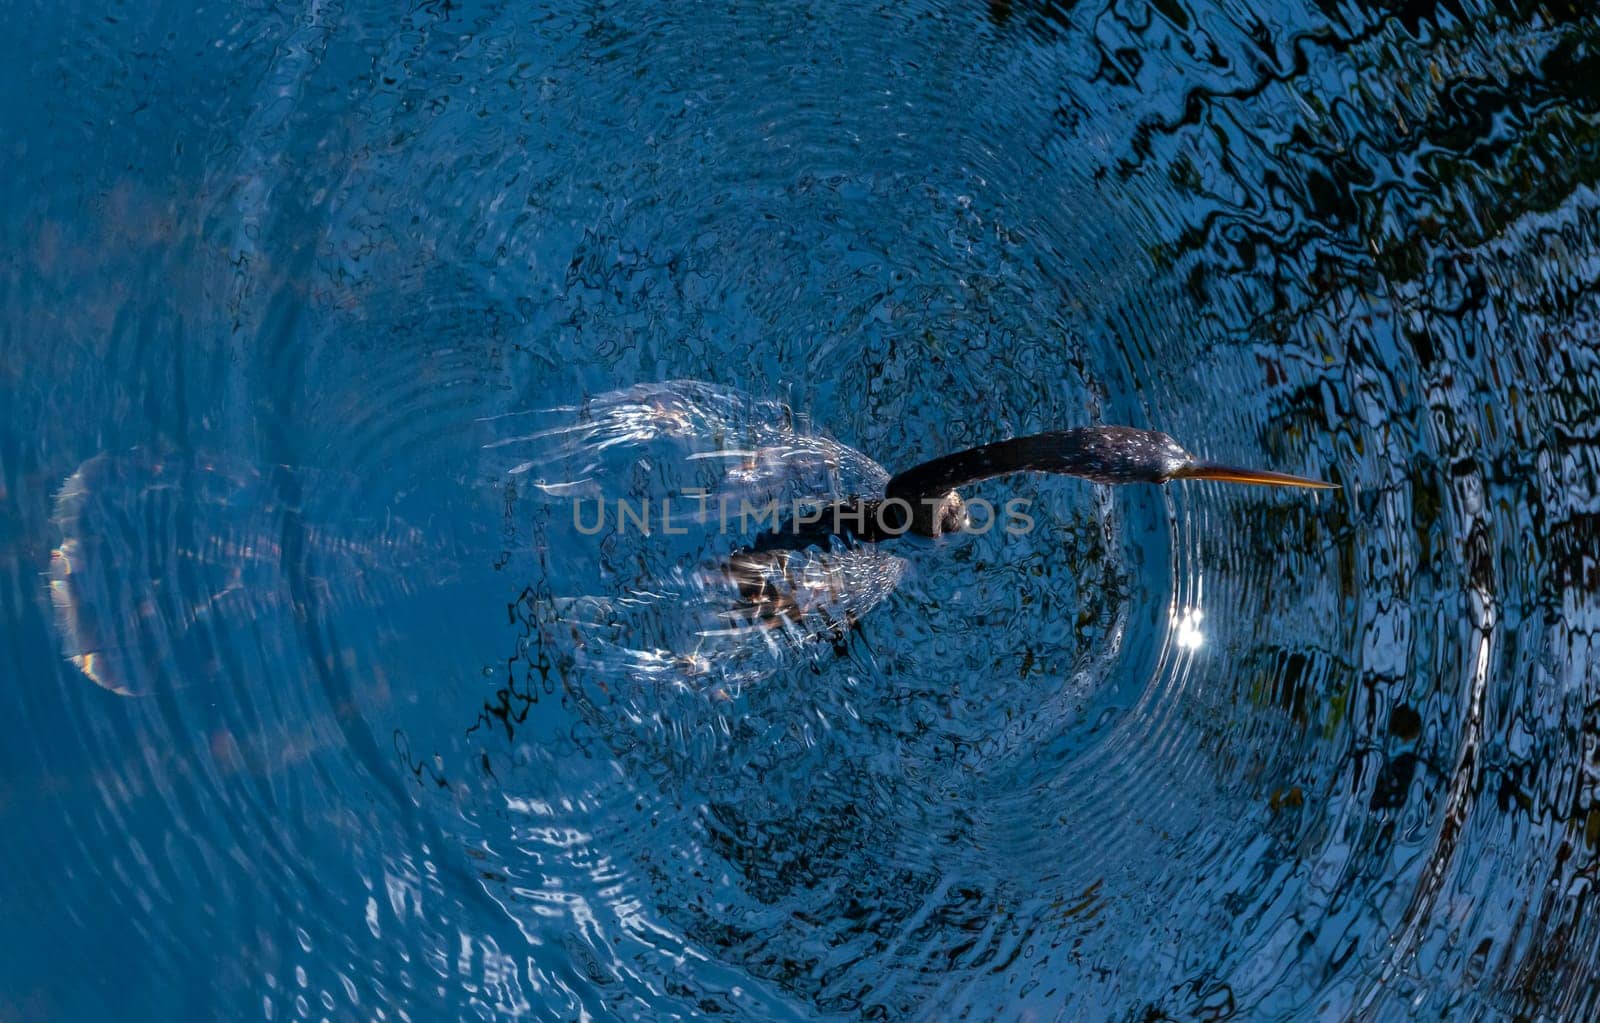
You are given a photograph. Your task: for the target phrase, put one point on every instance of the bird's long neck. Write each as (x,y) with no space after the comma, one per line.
(1104,454)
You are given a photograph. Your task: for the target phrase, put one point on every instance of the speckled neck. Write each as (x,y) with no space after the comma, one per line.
(1103,454)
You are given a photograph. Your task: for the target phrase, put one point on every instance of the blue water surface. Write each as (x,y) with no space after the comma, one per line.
(316,703)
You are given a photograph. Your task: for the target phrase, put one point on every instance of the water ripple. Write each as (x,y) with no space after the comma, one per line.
(316,319)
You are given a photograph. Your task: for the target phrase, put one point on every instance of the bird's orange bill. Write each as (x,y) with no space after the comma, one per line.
(1260,477)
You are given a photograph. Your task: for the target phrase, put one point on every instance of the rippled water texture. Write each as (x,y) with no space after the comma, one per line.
(315,319)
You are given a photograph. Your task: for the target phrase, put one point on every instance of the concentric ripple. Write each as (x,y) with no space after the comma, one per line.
(323,703)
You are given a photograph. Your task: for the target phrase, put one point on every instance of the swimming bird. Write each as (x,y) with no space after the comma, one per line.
(924,501)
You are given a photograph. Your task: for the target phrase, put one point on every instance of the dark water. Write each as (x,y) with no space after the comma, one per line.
(299,303)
